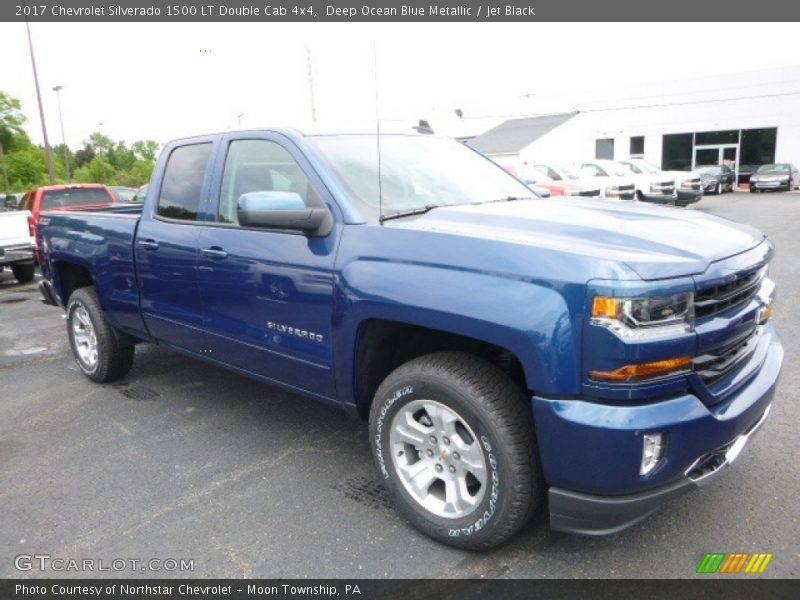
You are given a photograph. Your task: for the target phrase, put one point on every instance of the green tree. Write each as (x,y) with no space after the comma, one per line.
(121,157)
(100,143)
(84,155)
(97,170)
(145,149)
(27,168)
(138,175)
(12,134)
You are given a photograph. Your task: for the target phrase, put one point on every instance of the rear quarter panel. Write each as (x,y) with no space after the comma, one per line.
(103,245)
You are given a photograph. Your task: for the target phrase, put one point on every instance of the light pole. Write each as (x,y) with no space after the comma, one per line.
(47,151)
(57,89)
(311,86)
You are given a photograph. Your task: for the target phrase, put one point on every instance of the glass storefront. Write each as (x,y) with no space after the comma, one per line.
(743,150)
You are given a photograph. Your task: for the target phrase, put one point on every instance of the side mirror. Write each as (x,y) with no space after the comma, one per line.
(281,210)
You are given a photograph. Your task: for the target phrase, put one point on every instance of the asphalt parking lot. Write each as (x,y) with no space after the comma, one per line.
(185,461)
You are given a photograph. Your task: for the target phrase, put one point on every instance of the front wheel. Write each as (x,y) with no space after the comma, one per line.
(96,347)
(453,439)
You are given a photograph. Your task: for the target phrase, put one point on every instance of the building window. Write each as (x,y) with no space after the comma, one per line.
(758,148)
(709,138)
(676,152)
(604,148)
(637,146)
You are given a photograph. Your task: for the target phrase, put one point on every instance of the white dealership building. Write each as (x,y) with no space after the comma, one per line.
(742,120)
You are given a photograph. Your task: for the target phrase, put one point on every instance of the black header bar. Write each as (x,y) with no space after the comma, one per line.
(410,11)
(734,588)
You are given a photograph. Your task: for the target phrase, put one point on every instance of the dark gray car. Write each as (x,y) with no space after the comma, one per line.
(778,176)
(716,178)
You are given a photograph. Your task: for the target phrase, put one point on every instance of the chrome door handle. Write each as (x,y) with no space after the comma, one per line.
(148,244)
(214,253)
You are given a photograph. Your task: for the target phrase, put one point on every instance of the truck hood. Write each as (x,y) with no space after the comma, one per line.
(653,241)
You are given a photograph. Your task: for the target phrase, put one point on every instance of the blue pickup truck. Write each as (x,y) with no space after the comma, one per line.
(510,353)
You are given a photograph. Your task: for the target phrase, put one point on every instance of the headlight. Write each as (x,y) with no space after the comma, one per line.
(645,317)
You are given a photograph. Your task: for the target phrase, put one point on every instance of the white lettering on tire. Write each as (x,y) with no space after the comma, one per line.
(404,391)
(493,495)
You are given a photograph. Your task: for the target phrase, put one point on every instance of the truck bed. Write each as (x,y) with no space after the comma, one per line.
(101,241)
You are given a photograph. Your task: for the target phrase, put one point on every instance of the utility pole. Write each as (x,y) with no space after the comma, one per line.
(311,86)
(47,150)
(57,89)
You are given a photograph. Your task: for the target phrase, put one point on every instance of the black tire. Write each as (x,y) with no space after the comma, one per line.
(498,412)
(23,273)
(114,358)
(718,191)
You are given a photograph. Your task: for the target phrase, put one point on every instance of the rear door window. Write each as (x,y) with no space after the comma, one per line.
(183,182)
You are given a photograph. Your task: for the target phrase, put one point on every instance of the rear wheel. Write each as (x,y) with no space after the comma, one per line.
(453,439)
(97,347)
(23,273)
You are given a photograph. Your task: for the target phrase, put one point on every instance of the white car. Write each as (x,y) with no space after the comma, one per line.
(17,244)
(610,187)
(649,187)
(689,184)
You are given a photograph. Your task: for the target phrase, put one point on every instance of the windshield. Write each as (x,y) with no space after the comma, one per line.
(605,170)
(125,194)
(646,166)
(74,197)
(633,168)
(571,174)
(709,170)
(773,169)
(417,172)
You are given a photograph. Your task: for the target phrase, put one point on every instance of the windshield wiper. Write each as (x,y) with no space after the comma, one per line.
(408,213)
(506,199)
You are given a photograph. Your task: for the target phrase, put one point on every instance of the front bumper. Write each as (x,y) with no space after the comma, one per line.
(21,253)
(660,198)
(688,196)
(591,452)
(768,185)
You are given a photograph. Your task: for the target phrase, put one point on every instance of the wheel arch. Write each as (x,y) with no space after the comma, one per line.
(68,277)
(382,345)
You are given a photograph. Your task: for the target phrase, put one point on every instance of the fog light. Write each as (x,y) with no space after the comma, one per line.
(652,451)
(766,312)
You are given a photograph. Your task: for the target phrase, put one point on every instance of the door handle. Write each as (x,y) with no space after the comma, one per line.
(148,244)
(214,253)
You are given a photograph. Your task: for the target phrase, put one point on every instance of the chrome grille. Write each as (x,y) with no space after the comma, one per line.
(623,192)
(717,363)
(666,188)
(712,300)
(691,184)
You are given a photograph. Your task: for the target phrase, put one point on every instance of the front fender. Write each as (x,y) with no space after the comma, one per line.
(531,320)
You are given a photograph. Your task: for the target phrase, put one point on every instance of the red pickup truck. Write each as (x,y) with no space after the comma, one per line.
(82,196)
